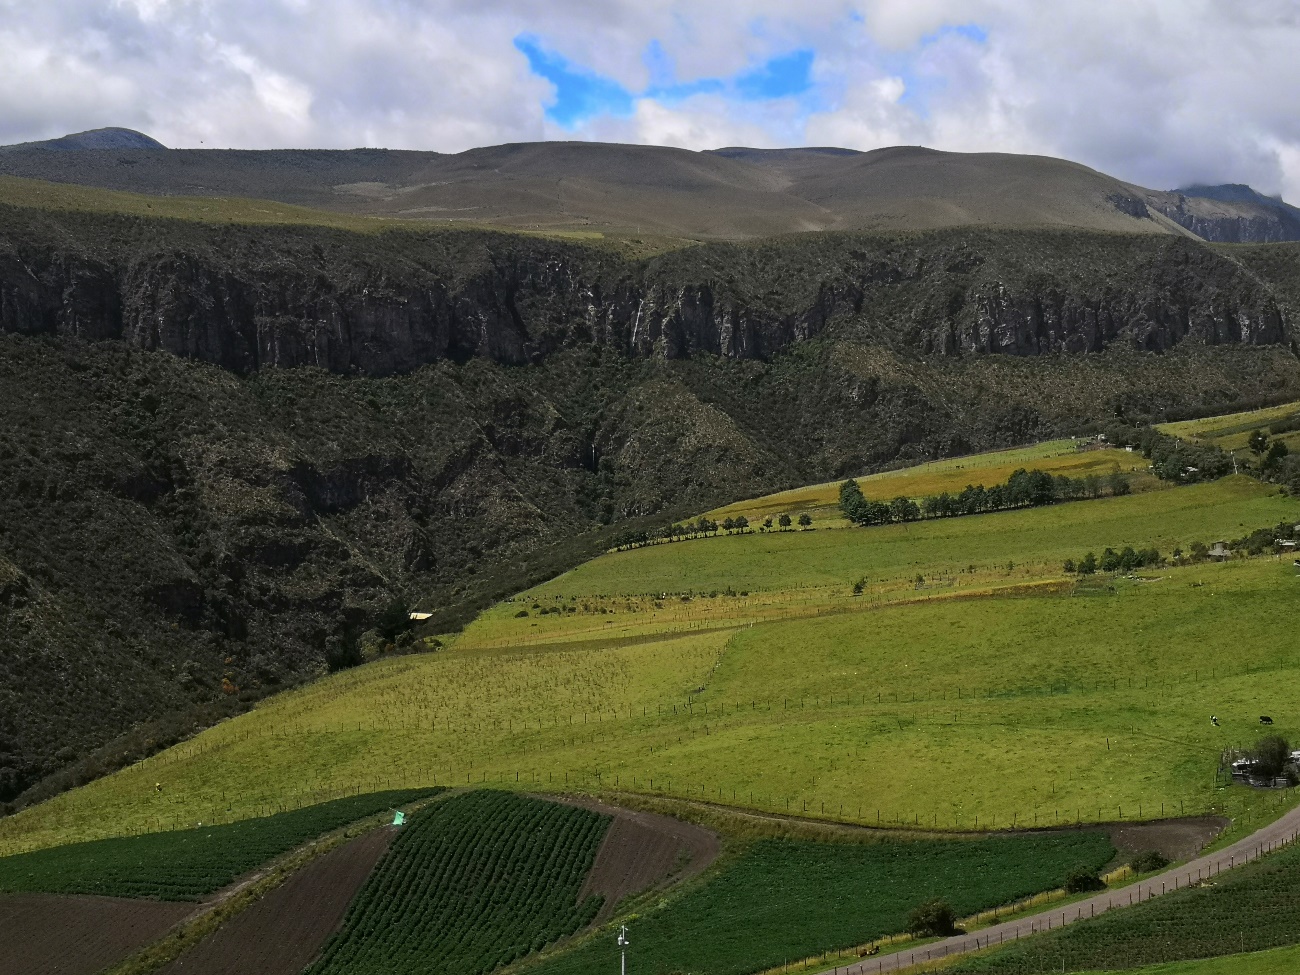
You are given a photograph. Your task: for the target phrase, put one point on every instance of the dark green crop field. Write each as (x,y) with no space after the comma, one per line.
(1250,909)
(781,901)
(475,883)
(186,864)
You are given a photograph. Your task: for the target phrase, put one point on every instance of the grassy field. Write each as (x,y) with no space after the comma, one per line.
(184,864)
(821,501)
(1279,961)
(996,691)
(477,882)
(1255,907)
(782,901)
(1231,430)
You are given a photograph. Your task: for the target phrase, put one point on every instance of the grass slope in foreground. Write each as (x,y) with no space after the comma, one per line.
(781,900)
(1279,961)
(474,883)
(1252,908)
(1002,693)
(184,864)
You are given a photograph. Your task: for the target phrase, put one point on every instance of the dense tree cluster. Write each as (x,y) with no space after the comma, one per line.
(1173,459)
(1024,489)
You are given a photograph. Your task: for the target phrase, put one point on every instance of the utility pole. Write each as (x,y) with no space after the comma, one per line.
(622,950)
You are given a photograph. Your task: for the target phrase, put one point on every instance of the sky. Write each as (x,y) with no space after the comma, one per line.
(1163,93)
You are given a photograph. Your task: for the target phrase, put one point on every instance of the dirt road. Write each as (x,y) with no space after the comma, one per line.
(1282,832)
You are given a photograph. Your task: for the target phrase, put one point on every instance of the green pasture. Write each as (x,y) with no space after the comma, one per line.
(782,901)
(1279,961)
(821,501)
(962,713)
(1039,537)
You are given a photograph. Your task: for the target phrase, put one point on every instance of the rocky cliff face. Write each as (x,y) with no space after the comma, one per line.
(361,306)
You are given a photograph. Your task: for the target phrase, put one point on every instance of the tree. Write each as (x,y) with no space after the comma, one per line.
(741,523)
(1110,560)
(1258,442)
(1277,451)
(1068,566)
(728,524)
(1081,880)
(805,520)
(1271,755)
(853,504)
(934,918)
(1128,559)
(784,521)
(1119,485)
(767,524)
(1089,565)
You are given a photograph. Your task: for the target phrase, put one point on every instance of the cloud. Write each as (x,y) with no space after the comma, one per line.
(1160,92)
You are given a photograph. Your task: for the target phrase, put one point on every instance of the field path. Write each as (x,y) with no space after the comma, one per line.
(1284,831)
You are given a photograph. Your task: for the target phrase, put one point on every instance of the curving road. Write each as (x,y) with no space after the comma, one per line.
(1283,832)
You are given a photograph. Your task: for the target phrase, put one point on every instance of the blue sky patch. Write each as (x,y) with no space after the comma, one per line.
(582,94)
(579,92)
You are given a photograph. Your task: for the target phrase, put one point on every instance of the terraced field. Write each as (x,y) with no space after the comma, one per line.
(1071,458)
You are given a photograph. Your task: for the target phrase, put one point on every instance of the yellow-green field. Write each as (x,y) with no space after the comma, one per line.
(995,691)
(1231,431)
(821,501)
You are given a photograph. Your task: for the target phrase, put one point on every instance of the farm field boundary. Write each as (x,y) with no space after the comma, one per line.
(1279,835)
(284,931)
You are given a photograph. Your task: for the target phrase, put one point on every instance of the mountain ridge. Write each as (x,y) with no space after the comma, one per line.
(728,193)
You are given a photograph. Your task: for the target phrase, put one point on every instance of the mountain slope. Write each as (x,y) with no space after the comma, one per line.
(731,193)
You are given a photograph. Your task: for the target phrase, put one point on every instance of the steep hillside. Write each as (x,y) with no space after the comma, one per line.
(232,454)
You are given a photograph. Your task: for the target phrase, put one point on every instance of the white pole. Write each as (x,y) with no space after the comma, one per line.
(622,950)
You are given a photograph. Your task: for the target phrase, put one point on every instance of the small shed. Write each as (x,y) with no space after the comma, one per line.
(1220,551)
(418,617)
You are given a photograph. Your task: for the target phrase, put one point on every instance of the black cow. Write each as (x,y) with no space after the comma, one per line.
(1265,719)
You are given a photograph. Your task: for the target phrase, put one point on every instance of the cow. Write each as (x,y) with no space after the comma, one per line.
(1265,719)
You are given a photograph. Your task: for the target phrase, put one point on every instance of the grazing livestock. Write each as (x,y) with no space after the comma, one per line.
(1265,719)
(1214,720)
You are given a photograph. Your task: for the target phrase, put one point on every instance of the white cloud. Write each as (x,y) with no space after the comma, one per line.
(1161,92)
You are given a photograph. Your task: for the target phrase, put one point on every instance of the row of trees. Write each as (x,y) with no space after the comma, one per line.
(703,528)
(1125,560)
(1023,489)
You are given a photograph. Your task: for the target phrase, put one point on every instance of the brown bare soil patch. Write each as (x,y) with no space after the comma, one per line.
(1176,839)
(45,934)
(284,932)
(643,850)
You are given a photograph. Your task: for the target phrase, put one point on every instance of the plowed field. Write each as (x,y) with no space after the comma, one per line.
(51,934)
(643,850)
(283,933)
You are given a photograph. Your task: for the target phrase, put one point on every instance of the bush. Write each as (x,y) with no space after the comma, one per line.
(1082,880)
(1148,861)
(933,918)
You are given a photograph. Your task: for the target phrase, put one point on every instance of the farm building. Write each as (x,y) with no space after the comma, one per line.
(419,617)
(1220,551)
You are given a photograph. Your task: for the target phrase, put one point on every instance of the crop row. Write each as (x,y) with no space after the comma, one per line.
(184,864)
(1250,909)
(476,882)
(782,901)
